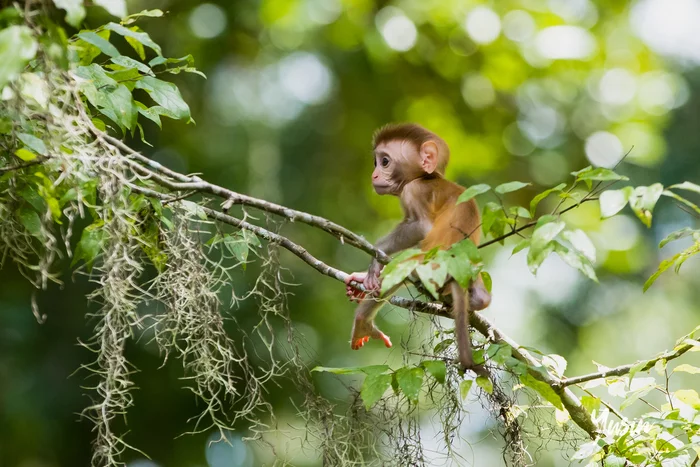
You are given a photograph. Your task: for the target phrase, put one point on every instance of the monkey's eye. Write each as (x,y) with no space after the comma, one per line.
(385,161)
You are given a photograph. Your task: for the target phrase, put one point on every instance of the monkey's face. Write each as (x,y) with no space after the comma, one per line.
(396,163)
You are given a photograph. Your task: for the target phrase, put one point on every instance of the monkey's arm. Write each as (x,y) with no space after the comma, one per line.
(405,235)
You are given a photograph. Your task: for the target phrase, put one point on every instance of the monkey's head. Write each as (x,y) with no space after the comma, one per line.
(404,152)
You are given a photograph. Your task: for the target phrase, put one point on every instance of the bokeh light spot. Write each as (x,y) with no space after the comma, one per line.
(603,149)
(515,142)
(518,26)
(397,29)
(323,11)
(306,77)
(669,27)
(483,25)
(232,452)
(617,86)
(618,233)
(565,43)
(660,92)
(478,91)
(207,20)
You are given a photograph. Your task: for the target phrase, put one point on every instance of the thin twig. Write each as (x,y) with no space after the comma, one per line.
(624,369)
(36,161)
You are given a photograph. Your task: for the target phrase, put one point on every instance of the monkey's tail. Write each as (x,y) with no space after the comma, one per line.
(460,314)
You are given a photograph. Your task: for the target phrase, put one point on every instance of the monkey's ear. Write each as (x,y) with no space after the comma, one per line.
(429,156)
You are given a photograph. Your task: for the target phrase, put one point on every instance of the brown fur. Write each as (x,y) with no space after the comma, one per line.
(432,218)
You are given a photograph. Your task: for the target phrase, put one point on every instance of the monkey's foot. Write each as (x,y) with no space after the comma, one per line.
(356,343)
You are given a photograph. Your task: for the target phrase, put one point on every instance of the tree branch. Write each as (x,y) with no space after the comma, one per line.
(625,369)
(578,414)
(37,161)
(163,177)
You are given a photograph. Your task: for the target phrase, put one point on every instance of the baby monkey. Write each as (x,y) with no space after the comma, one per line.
(410,163)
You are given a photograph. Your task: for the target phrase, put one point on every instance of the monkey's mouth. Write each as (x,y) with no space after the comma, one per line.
(381,188)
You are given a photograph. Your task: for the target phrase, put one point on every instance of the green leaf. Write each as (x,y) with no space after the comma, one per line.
(544,389)
(33,143)
(590,403)
(250,238)
(678,260)
(681,199)
(541,244)
(678,234)
(614,461)
(580,241)
(643,201)
(660,367)
(493,219)
(410,381)
(555,363)
(113,7)
(150,113)
(398,273)
(91,242)
(588,449)
(613,201)
(30,220)
(524,243)
(520,212)
(546,219)
(464,388)
(688,396)
(368,370)
(194,209)
(576,260)
(488,282)
(100,42)
(536,200)
(687,186)
(636,395)
(636,368)
(237,246)
(133,33)
(465,250)
(166,94)
(436,368)
(75,12)
(599,174)
(665,264)
(129,62)
(32,196)
(460,260)
(685,368)
(373,388)
(442,345)
(25,154)
(510,187)
(433,276)
(17,47)
(472,191)
(484,383)
(145,13)
(112,99)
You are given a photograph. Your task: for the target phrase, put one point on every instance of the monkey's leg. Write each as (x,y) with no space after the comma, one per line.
(364,328)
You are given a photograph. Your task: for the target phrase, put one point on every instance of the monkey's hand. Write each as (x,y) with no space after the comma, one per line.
(355,295)
(372,281)
(362,330)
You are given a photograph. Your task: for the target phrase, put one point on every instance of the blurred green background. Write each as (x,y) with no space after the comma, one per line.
(524,90)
